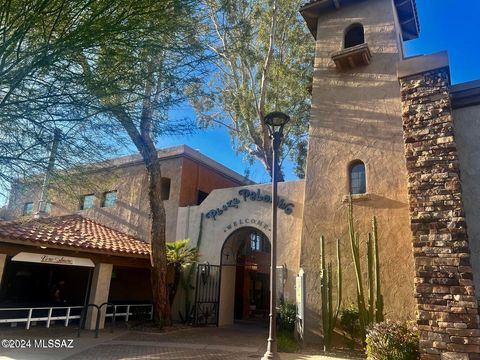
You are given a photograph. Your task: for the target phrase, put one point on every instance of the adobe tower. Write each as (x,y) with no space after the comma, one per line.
(382,129)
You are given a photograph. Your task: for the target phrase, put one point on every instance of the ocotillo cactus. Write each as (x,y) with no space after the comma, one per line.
(374,311)
(329,316)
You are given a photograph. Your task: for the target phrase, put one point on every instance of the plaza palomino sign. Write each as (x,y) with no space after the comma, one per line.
(249,195)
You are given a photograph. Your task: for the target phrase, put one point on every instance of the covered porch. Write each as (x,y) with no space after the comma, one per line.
(51,268)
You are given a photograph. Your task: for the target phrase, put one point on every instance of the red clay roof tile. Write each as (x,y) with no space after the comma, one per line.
(75,231)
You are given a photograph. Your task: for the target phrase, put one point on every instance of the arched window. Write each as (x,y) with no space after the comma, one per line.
(354,35)
(358,183)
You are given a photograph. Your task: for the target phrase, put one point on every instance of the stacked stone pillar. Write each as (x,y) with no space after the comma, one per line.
(447,310)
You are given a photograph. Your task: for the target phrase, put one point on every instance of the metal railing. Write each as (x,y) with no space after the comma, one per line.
(65,313)
(127,310)
(47,314)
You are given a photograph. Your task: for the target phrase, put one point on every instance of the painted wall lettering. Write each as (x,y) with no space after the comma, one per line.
(249,195)
(247,222)
(219,211)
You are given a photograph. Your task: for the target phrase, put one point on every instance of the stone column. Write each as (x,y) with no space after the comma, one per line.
(3,263)
(447,310)
(99,290)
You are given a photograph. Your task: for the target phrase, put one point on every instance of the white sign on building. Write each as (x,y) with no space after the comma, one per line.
(53,259)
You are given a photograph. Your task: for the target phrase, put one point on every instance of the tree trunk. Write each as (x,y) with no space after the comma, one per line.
(158,257)
(173,288)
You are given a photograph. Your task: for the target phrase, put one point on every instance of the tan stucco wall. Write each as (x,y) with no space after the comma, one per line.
(216,232)
(467,137)
(356,114)
(99,290)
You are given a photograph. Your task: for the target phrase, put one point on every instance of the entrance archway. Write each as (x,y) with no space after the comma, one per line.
(245,279)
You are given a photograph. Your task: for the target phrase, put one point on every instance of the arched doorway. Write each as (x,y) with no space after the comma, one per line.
(245,279)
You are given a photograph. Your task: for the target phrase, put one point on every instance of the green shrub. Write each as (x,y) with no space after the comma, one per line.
(286,342)
(350,323)
(287,314)
(392,341)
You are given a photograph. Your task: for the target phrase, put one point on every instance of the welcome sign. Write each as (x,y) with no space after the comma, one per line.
(247,195)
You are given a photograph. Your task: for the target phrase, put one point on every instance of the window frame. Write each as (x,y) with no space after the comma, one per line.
(24,210)
(104,198)
(82,201)
(351,166)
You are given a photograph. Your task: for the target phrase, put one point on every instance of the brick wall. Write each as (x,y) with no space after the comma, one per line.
(447,311)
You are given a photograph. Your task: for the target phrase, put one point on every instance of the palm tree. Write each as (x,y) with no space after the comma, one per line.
(179,257)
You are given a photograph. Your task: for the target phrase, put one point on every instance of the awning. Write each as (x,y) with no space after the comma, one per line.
(53,259)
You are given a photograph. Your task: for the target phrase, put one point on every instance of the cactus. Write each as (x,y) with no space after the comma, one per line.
(379,297)
(373,310)
(329,315)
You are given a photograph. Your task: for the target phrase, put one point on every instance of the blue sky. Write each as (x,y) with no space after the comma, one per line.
(445,25)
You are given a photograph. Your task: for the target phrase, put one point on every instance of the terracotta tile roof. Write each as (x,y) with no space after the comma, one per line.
(73,231)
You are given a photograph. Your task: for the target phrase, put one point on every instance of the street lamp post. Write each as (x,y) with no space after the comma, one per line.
(275,122)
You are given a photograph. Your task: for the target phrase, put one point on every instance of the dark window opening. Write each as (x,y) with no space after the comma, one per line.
(355,35)
(201,195)
(358,183)
(166,188)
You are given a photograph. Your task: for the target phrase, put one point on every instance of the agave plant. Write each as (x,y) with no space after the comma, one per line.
(179,257)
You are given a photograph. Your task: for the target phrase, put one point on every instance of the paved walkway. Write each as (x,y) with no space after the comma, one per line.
(239,342)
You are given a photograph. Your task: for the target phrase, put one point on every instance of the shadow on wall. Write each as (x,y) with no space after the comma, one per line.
(378,91)
(372,123)
(112,217)
(380,202)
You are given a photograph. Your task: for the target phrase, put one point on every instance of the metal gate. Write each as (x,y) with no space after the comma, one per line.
(207,295)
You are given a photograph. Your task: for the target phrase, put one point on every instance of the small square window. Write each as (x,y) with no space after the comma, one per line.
(109,199)
(28,208)
(87,201)
(46,207)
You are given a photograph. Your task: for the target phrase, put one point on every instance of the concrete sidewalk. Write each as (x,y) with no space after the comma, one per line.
(235,343)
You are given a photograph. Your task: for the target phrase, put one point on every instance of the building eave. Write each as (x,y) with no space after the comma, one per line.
(465,94)
(180,151)
(74,249)
(406,10)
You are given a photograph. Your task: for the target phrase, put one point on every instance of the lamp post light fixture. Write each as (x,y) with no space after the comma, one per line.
(275,122)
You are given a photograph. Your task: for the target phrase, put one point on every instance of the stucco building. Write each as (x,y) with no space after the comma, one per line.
(390,130)
(398,135)
(100,226)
